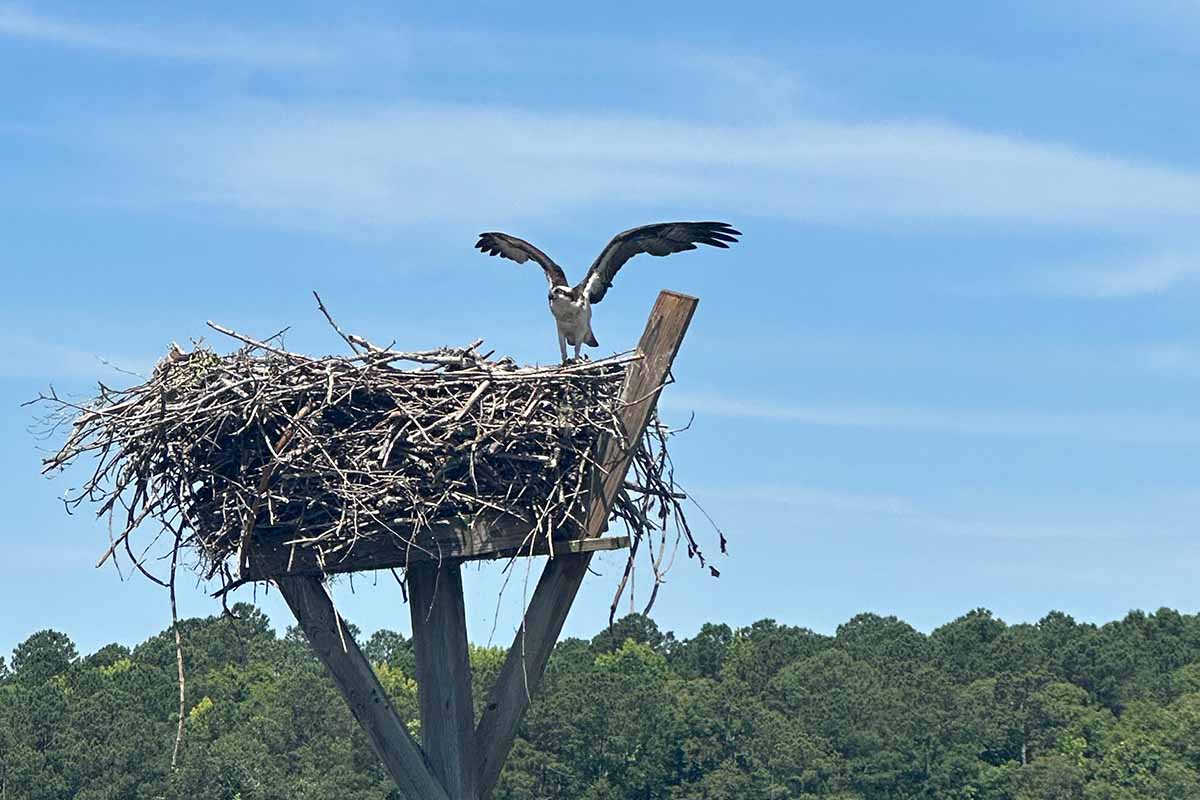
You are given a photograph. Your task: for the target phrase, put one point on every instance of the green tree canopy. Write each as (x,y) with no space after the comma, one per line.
(977,710)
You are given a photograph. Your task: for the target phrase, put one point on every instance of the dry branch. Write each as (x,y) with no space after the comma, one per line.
(327,451)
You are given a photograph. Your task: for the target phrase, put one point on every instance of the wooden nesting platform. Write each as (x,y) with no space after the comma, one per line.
(456,759)
(485,537)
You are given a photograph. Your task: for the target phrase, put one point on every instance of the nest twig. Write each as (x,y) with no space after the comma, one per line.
(220,449)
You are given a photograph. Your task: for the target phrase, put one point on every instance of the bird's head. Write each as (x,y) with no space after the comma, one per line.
(561,292)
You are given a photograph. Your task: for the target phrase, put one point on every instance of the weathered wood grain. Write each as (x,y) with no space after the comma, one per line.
(352,673)
(272,557)
(562,576)
(435,599)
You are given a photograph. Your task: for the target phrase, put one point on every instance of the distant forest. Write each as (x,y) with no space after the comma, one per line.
(978,709)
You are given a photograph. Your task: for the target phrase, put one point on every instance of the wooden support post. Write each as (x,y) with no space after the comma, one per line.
(352,673)
(461,762)
(563,575)
(435,598)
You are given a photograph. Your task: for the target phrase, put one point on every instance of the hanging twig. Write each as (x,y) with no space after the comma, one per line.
(178,656)
(324,453)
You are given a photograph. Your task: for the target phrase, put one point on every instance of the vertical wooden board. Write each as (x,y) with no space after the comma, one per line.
(668,322)
(435,597)
(360,687)
(563,575)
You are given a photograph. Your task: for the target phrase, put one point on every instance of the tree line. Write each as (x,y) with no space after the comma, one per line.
(977,710)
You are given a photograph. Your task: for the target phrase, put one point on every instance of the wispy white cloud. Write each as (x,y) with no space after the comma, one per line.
(1174,22)
(1172,359)
(799,496)
(747,84)
(844,510)
(1053,367)
(228,46)
(353,167)
(1146,274)
(1110,427)
(30,357)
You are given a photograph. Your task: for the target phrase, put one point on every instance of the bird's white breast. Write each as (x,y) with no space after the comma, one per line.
(566,310)
(571,315)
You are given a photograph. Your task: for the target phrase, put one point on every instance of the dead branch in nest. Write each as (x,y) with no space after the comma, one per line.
(327,451)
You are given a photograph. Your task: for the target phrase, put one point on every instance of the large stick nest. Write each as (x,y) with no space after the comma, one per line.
(218,449)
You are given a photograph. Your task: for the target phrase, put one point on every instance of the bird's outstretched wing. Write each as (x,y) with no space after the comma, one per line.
(520,251)
(660,239)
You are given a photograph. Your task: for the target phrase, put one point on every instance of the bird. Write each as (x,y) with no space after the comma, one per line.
(572,306)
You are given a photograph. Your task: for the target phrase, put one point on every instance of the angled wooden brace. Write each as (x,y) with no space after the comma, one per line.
(563,574)
(459,762)
(400,754)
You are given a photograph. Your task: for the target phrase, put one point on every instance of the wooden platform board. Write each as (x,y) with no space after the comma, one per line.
(275,556)
(455,759)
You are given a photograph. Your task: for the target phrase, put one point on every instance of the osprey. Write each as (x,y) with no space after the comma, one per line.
(572,307)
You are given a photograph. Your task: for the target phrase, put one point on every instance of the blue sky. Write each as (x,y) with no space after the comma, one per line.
(953,363)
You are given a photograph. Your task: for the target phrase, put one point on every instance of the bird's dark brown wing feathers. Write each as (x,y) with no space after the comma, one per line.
(660,239)
(520,251)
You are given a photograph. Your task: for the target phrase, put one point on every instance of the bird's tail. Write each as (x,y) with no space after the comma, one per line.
(591,340)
